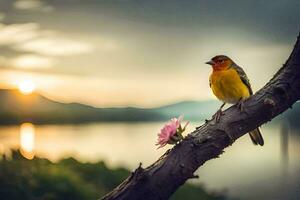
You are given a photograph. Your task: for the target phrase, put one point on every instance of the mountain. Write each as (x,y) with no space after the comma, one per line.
(16,108)
(191,110)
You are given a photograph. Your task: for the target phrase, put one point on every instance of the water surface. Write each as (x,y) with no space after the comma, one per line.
(244,170)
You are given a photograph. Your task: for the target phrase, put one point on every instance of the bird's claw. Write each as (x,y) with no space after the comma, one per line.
(218,115)
(240,105)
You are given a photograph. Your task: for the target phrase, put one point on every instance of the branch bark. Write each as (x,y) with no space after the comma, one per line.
(161,179)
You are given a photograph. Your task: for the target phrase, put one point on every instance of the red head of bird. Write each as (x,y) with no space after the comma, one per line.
(220,62)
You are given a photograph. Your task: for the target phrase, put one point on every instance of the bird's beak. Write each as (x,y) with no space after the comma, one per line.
(210,62)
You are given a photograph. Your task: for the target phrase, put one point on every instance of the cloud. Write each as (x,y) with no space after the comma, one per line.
(17,33)
(32,5)
(164,44)
(29,37)
(55,46)
(3,61)
(31,61)
(2,16)
(27,4)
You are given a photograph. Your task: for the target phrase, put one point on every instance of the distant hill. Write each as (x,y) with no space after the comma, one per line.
(17,108)
(191,110)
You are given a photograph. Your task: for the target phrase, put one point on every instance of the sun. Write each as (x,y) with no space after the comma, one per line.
(26,87)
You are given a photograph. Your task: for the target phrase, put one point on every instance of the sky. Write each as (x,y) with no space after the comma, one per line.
(140,53)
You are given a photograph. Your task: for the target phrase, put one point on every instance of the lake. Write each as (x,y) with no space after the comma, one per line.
(244,170)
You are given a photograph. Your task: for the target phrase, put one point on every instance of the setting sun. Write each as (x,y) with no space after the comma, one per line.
(26,87)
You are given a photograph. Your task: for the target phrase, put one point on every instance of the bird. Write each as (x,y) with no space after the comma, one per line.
(230,84)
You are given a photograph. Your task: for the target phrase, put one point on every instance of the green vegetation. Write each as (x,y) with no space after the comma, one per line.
(69,179)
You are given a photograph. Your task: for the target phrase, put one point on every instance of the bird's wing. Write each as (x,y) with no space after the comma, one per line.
(243,77)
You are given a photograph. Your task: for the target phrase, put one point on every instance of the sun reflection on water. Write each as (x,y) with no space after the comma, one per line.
(27,134)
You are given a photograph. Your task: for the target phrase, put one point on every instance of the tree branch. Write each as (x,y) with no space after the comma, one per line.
(161,179)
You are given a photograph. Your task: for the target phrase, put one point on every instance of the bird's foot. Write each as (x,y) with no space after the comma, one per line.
(218,115)
(240,105)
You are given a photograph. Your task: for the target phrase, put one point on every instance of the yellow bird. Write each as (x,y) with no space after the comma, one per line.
(230,84)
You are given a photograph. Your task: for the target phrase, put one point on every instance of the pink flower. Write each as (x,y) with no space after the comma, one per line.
(171,132)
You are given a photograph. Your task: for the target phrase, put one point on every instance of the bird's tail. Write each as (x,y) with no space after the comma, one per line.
(256,137)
